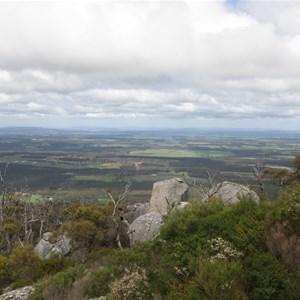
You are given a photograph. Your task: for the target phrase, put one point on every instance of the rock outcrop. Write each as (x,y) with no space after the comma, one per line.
(19,294)
(48,246)
(166,194)
(145,227)
(230,192)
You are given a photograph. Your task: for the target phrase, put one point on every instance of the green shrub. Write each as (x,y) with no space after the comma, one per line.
(97,284)
(112,264)
(54,265)
(25,265)
(56,286)
(219,279)
(286,210)
(241,224)
(5,272)
(266,277)
(83,233)
(248,232)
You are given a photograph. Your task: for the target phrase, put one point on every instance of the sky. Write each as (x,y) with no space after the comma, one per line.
(150,64)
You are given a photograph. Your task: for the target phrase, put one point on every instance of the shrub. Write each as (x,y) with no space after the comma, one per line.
(5,272)
(98,215)
(57,286)
(25,265)
(218,278)
(54,265)
(84,234)
(241,224)
(249,230)
(265,277)
(111,266)
(97,283)
(283,227)
(286,210)
(133,285)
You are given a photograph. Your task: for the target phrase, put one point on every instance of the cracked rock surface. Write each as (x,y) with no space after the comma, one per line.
(18,294)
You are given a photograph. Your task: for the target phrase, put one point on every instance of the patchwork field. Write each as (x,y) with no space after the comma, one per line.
(55,163)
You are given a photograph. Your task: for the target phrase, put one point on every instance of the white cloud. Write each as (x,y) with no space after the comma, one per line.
(145,59)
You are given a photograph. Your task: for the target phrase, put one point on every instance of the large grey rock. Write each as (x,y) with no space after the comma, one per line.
(19,294)
(43,248)
(60,246)
(145,227)
(136,210)
(166,194)
(230,192)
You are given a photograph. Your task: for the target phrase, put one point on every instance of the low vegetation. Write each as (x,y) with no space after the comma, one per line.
(206,251)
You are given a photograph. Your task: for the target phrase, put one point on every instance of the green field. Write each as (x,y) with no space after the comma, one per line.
(104,178)
(37,198)
(179,153)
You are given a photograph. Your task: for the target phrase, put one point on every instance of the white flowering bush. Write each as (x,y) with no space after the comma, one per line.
(133,285)
(223,250)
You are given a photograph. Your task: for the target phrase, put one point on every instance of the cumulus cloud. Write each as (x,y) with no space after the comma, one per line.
(188,60)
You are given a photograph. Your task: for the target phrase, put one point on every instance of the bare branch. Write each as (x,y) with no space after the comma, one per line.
(2,176)
(214,190)
(211,187)
(6,167)
(116,204)
(258,171)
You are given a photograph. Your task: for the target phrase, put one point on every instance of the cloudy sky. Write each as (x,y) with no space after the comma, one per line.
(231,64)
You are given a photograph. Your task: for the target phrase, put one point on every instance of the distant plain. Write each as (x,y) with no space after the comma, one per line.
(81,164)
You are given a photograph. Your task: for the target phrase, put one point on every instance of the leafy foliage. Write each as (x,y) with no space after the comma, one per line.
(267,278)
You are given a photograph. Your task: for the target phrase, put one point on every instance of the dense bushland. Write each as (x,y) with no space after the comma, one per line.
(206,251)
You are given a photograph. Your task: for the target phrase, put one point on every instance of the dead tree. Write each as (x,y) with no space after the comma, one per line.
(212,185)
(4,190)
(259,173)
(118,213)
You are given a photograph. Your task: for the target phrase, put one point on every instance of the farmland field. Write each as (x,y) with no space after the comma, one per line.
(61,163)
